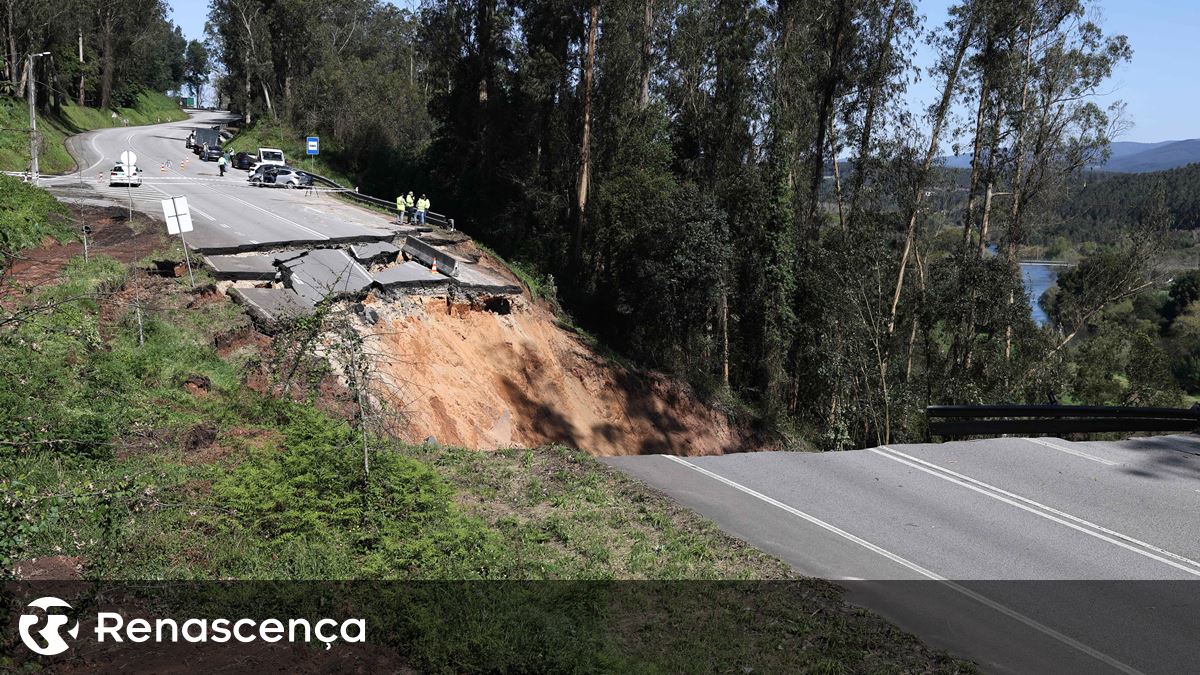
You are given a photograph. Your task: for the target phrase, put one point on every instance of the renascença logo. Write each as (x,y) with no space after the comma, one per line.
(50,634)
(111,626)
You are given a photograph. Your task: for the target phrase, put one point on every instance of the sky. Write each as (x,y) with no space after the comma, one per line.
(1159,86)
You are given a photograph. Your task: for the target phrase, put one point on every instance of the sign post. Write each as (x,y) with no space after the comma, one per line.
(313,148)
(129,159)
(179,221)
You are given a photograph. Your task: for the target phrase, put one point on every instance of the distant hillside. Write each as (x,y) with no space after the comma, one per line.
(1107,202)
(1153,156)
(1130,156)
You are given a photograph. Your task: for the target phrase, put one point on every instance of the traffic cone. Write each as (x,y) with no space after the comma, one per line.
(435,265)
(162,168)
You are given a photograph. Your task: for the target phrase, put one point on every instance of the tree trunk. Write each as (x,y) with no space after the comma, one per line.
(939,120)
(825,113)
(976,156)
(725,339)
(585,140)
(1018,177)
(647,54)
(107,58)
(876,92)
(837,176)
(82,100)
(12,44)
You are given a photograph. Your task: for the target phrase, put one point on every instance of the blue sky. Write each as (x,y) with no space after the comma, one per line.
(1159,85)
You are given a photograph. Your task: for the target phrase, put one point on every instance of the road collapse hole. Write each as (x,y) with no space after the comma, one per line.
(498,305)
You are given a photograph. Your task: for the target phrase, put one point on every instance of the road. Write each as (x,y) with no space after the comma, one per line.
(227,213)
(1025,555)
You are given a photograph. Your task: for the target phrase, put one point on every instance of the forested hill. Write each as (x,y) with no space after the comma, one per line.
(101,54)
(665,163)
(1108,202)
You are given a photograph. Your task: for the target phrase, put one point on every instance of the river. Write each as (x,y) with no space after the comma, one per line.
(1038,278)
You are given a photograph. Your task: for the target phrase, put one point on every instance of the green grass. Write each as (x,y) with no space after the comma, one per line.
(28,216)
(149,108)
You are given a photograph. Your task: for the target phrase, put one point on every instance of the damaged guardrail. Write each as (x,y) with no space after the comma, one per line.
(996,420)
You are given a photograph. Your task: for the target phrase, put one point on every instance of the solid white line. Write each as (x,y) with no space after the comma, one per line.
(1071,451)
(1049,513)
(988,602)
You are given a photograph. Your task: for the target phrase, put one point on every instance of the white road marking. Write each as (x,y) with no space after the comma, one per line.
(1071,451)
(988,602)
(253,241)
(1048,512)
(224,226)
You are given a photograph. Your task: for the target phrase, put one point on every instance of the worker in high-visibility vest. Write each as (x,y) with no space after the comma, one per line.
(410,205)
(422,207)
(400,207)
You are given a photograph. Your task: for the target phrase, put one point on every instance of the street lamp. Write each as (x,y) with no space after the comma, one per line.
(33,141)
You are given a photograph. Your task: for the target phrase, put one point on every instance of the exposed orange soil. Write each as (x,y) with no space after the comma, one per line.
(480,379)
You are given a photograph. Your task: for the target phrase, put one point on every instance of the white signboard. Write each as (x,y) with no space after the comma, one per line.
(179,219)
(128,158)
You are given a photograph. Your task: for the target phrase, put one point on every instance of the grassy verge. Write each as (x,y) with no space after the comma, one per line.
(28,216)
(149,108)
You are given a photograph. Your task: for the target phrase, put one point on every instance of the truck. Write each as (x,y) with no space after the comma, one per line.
(201,137)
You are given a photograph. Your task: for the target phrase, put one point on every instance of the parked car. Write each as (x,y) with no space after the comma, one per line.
(125,175)
(281,176)
(243,160)
(211,153)
(260,173)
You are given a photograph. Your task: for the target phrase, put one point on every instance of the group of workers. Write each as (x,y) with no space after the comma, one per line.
(411,210)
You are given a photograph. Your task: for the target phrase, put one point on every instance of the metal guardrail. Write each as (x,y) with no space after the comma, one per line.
(438,219)
(990,420)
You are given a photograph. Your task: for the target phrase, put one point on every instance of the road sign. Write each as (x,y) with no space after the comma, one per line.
(128,158)
(314,145)
(179,219)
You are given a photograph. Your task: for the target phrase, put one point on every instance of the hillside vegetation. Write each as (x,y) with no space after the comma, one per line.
(142,438)
(55,126)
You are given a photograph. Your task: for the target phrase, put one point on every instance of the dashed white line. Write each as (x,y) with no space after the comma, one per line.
(987,602)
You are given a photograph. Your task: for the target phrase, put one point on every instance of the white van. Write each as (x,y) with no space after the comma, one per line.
(270,156)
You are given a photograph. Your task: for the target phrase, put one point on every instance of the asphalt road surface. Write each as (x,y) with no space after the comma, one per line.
(227,213)
(1024,555)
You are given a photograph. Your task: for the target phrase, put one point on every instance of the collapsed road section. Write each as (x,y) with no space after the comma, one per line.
(282,285)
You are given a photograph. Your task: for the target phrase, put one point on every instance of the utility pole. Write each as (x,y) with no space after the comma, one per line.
(33,136)
(81,91)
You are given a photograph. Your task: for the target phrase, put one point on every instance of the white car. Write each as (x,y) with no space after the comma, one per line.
(125,175)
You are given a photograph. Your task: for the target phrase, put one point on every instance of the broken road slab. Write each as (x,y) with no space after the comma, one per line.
(375,252)
(326,272)
(269,306)
(242,267)
(410,275)
(479,280)
(427,254)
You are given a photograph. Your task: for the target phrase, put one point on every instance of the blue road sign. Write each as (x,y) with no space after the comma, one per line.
(314,145)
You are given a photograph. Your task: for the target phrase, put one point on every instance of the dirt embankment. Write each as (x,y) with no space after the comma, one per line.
(507,375)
